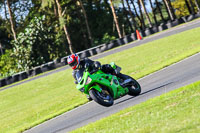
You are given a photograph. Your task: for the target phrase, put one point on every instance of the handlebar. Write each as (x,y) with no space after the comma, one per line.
(96,68)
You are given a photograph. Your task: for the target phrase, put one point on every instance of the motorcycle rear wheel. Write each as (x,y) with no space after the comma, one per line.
(101,98)
(135,88)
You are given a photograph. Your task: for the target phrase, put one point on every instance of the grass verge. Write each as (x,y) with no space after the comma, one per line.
(32,103)
(176,111)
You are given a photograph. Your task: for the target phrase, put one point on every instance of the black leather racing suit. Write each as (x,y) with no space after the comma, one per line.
(92,65)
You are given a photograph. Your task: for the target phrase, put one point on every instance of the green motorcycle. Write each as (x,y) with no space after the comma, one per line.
(105,88)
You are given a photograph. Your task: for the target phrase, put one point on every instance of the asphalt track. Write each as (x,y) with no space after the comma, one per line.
(177,75)
(190,25)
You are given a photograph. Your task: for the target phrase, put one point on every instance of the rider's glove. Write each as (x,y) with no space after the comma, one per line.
(86,65)
(97,65)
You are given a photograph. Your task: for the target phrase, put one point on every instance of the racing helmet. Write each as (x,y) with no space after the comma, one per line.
(73,61)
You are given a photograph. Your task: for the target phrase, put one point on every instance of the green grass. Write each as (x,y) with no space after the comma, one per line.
(176,111)
(32,103)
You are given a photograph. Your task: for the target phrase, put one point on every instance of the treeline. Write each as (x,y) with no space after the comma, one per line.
(33,32)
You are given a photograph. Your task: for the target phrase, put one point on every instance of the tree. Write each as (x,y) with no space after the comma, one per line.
(86,21)
(55,9)
(159,10)
(153,12)
(107,6)
(35,45)
(49,3)
(141,23)
(5,29)
(5,11)
(182,8)
(168,9)
(141,14)
(171,9)
(64,26)
(131,14)
(7,64)
(11,20)
(126,14)
(82,32)
(145,12)
(188,6)
(115,19)
(197,5)
(192,7)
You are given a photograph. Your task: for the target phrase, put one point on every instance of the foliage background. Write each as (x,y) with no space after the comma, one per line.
(40,34)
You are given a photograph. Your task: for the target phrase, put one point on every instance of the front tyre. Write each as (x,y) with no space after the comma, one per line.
(101,97)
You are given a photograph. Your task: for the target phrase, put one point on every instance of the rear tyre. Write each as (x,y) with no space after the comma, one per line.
(101,97)
(135,88)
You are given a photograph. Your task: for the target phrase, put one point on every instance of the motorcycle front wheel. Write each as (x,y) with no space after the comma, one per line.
(101,98)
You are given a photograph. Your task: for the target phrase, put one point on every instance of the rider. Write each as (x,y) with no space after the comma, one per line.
(77,64)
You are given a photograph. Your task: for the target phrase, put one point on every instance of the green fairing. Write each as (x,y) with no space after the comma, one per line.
(104,88)
(99,79)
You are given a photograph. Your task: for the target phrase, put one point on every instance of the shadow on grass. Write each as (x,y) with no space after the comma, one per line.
(157,88)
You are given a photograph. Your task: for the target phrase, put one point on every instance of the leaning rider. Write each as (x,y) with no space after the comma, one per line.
(77,64)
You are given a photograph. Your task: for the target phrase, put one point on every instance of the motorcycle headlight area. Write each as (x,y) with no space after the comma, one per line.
(88,80)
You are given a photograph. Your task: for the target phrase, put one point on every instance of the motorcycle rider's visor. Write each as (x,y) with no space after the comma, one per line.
(73,64)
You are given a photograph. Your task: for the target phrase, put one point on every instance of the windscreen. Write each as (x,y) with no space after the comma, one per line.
(79,75)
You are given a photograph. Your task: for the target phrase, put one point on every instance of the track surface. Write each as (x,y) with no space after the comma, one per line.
(172,77)
(172,31)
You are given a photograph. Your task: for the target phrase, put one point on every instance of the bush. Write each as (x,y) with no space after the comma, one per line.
(7,65)
(106,38)
(37,45)
(181,8)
